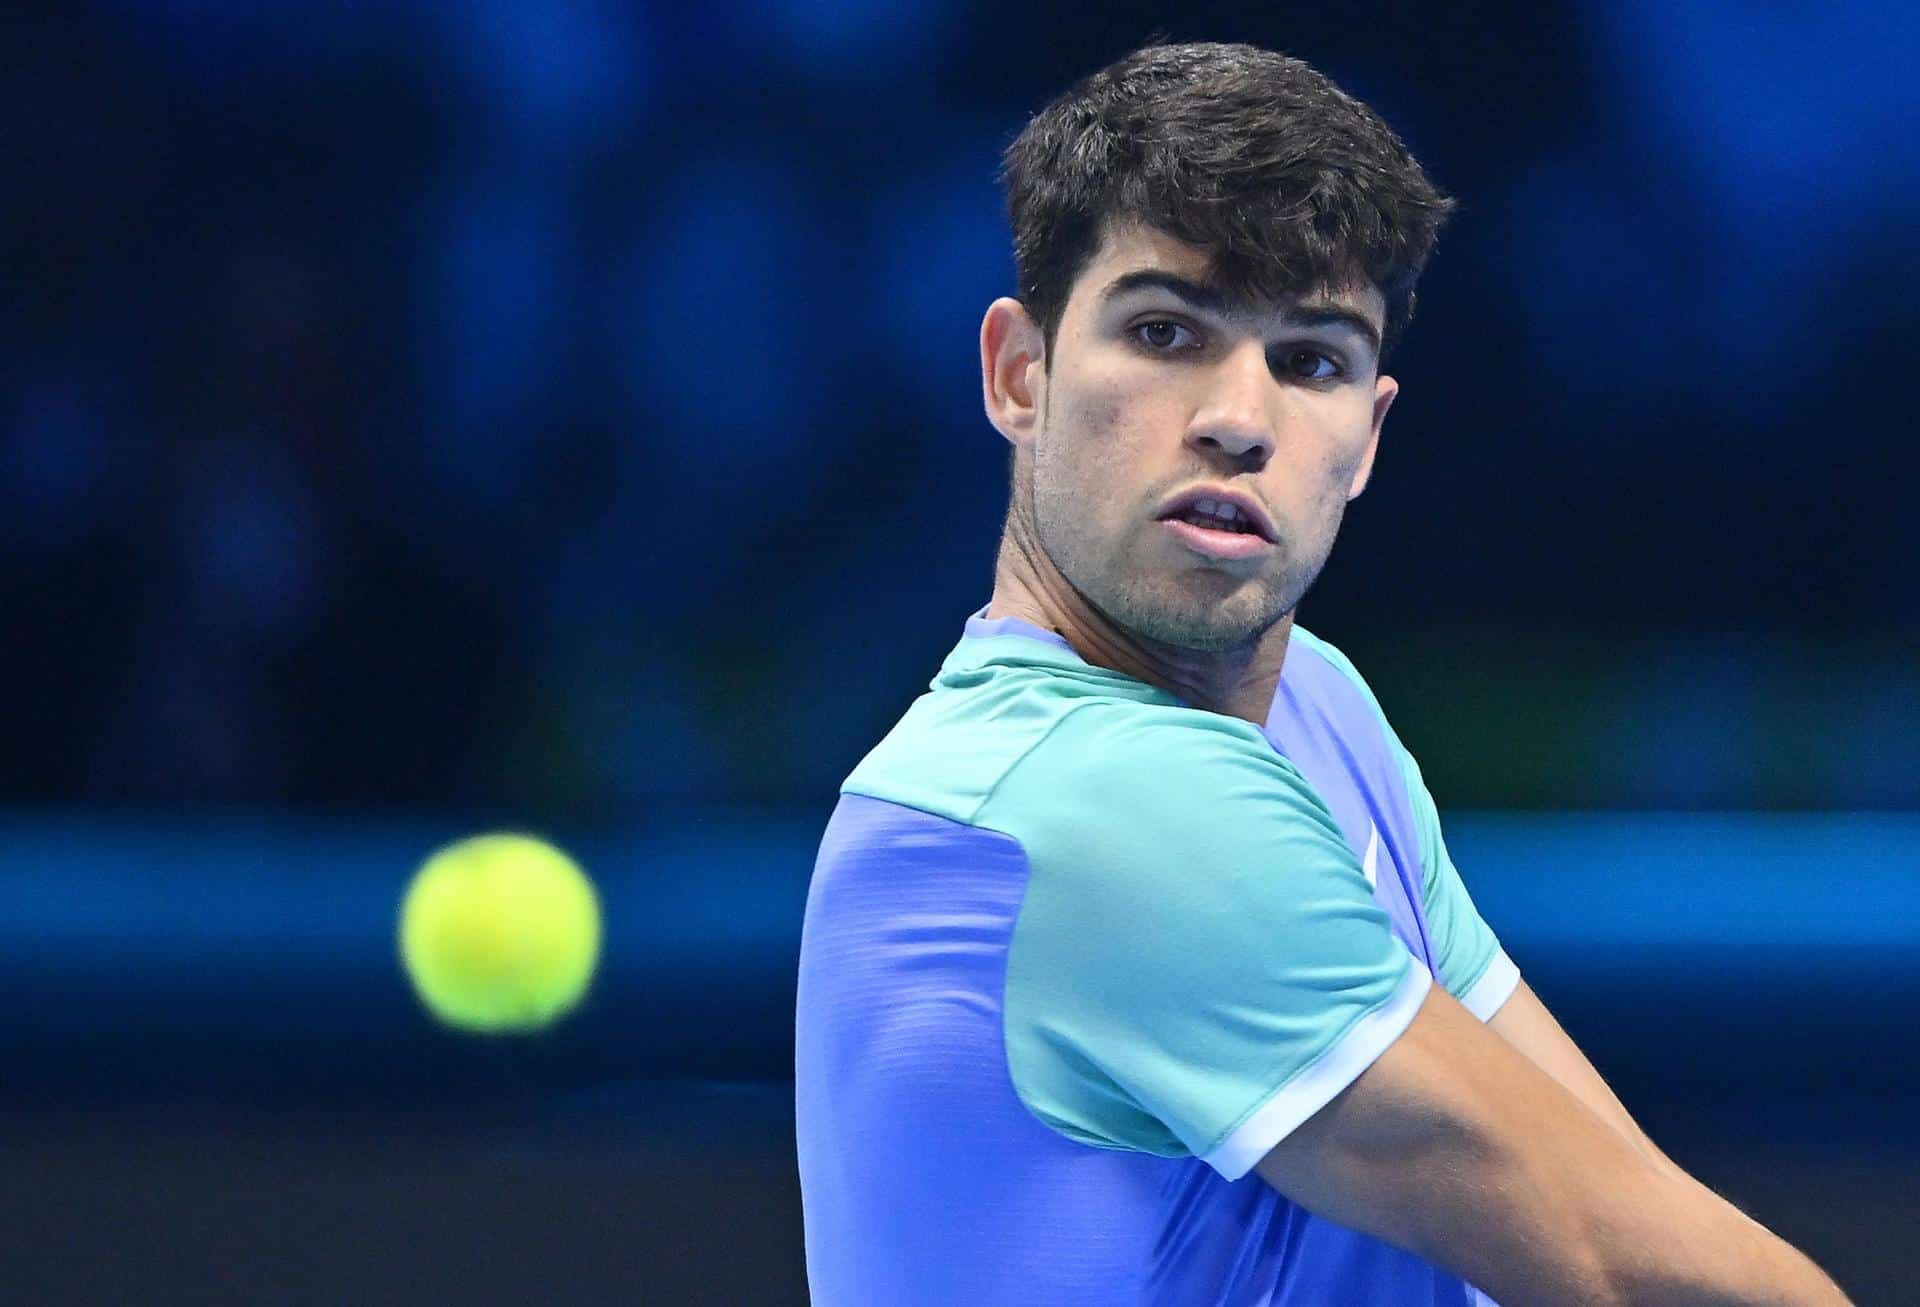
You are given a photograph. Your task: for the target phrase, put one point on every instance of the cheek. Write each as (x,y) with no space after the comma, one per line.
(1341,470)
(1317,487)
(1334,485)
(1345,433)
(1089,417)
(1315,502)
(1091,447)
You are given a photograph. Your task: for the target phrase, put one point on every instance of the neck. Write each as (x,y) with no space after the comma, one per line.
(1238,682)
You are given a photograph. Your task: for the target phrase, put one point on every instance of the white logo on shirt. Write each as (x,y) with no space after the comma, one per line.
(1371,863)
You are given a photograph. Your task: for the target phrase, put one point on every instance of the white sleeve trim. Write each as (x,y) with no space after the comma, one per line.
(1315,1086)
(1496,985)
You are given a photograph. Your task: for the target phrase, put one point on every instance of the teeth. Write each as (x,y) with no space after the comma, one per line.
(1218,508)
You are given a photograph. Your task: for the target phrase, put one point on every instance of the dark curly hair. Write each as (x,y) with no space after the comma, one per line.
(1291,183)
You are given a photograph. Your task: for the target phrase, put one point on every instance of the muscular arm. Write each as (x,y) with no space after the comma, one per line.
(1455,1145)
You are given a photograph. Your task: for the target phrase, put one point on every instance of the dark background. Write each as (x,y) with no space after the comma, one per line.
(419,418)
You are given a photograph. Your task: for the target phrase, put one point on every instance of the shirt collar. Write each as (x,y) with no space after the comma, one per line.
(1015,642)
(982,627)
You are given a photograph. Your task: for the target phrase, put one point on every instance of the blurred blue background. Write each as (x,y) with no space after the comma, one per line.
(418,418)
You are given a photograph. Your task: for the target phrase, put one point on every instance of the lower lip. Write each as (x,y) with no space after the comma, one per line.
(1216,544)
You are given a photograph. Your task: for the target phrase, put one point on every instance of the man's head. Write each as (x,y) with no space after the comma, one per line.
(1214,246)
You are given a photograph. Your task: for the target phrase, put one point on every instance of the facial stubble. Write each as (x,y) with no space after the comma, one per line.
(1199,608)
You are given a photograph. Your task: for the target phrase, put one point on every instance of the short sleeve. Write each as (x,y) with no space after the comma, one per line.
(1199,964)
(1472,965)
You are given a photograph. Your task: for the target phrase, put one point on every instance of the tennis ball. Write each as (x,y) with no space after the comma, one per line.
(499,933)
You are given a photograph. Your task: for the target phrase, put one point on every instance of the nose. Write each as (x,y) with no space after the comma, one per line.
(1234,418)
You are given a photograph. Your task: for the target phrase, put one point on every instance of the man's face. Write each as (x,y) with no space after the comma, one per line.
(1156,386)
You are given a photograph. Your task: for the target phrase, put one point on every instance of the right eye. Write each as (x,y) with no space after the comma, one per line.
(1161,335)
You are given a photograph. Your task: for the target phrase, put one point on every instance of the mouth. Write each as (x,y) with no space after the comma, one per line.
(1219,523)
(1215,542)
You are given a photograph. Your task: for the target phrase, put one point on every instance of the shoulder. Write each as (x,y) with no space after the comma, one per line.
(990,729)
(1173,748)
(1119,782)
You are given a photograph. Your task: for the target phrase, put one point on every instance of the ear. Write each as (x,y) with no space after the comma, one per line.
(1384,391)
(1013,369)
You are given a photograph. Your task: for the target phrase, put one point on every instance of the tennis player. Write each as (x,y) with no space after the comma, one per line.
(1135,970)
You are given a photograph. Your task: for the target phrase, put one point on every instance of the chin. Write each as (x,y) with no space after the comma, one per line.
(1218,628)
(1217,640)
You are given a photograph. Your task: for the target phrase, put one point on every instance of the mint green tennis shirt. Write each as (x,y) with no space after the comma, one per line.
(1077,955)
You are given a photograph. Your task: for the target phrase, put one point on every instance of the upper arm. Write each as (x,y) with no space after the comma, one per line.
(1456,1146)
(1432,1149)
(1199,963)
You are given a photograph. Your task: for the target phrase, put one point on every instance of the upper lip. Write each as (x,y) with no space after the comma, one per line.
(1245,503)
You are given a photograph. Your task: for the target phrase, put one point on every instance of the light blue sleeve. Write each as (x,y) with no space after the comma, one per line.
(1199,964)
(1473,966)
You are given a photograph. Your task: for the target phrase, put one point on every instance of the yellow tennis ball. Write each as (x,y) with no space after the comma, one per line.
(500,933)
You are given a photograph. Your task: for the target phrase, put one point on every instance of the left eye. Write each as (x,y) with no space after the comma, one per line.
(1160,334)
(1311,365)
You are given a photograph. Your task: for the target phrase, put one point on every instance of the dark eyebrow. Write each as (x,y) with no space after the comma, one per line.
(1211,299)
(1198,294)
(1334,315)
